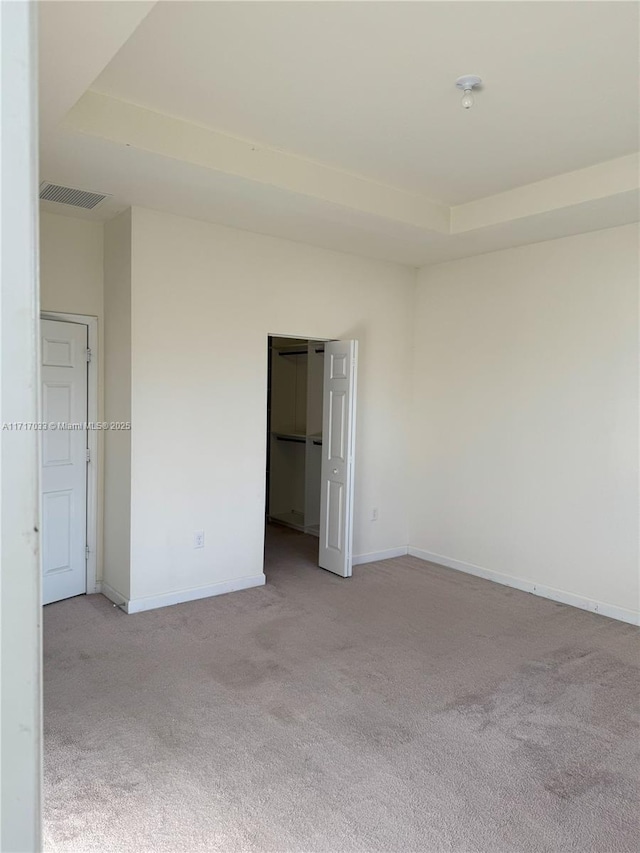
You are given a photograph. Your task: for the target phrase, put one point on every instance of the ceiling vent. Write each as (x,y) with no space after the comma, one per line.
(68,195)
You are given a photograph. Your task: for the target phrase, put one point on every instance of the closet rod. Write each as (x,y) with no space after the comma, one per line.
(318,442)
(319,349)
(295,440)
(293,352)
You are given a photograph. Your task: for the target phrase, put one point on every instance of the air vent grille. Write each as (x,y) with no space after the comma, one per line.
(68,195)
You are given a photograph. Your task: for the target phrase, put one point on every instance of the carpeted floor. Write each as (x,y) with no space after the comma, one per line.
(411,708)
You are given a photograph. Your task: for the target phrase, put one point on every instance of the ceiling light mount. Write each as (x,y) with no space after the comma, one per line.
(467,83)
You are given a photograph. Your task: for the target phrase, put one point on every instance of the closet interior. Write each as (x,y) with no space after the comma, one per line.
(294,441)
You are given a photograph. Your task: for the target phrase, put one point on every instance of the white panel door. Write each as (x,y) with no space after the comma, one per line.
(338,451)
(64,459)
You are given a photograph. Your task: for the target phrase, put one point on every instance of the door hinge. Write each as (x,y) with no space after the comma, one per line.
(88,455)
(88,353)
(86,552)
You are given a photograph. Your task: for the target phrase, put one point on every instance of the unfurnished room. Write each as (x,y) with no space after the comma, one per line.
(320,487)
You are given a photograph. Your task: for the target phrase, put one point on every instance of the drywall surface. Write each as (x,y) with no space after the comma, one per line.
(71,265)
(117,405)
(204,300)
(20,586)
(525,417)
(72,282)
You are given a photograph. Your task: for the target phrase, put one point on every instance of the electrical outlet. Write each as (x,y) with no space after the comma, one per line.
(374,514)
(198,539)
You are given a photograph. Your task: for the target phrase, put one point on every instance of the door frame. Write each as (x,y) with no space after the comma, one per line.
(91,323)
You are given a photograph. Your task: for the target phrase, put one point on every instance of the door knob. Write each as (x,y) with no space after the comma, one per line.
(335,470)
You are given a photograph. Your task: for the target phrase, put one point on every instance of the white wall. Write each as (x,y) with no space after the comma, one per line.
(20,597)
(204,300)
(117,406)
(72,282)
(524,454)
(71,265)
(525,444)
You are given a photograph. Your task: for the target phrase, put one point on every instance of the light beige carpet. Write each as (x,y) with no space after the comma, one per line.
(411,708)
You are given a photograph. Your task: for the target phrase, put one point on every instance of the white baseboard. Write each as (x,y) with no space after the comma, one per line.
(374,556)
(601,607)
(113,595)
(137,605)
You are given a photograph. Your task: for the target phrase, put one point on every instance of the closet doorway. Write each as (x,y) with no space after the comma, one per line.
(311,408)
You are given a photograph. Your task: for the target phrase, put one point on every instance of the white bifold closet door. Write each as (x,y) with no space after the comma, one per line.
(338,447)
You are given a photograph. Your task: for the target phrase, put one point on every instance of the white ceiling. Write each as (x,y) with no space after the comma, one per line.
(369,87)
(374,153)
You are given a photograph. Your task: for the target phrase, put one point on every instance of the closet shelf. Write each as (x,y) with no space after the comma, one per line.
(290,436)
(293,435)
(293,352)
